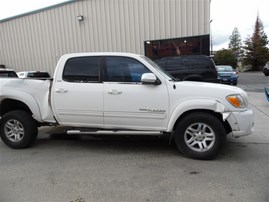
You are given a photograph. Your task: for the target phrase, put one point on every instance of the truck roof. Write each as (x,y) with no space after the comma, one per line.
(101,54)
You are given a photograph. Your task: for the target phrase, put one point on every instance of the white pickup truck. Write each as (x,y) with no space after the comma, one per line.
(122,93)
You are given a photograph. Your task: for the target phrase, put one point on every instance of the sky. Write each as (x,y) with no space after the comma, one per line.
(228,14)
(10,8)
(225,16)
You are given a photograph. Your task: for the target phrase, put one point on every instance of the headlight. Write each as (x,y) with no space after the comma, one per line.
(233,75)
(237,101)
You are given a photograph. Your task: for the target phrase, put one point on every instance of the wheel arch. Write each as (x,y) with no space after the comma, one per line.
(8,105)
(25,103)
(212,107)
(215,114)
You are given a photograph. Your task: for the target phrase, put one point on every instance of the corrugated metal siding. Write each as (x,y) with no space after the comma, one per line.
(36,41)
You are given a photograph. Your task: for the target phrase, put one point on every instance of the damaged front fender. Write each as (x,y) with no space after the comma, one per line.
(197,104)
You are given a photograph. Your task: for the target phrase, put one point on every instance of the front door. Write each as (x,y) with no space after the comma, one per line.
(127,102)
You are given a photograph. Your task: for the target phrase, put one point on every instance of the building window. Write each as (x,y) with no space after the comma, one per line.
(175,47)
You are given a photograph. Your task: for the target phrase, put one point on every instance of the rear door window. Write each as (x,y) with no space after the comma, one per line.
(82,69)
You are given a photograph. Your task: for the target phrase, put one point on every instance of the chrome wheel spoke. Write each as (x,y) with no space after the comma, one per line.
(10,134)
(10,125)
(191,132)
(194,143)
(201,127)
(18,137)
(200,146)
(209,138)
(14,130)
(191,140)
(199,137)
(204,144)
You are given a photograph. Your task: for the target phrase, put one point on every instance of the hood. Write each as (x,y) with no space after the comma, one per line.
(202,90)
(209,87)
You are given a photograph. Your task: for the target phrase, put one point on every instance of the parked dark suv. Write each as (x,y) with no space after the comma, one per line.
(190,68)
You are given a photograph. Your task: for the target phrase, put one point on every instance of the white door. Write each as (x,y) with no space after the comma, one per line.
(127,102)
(78,96)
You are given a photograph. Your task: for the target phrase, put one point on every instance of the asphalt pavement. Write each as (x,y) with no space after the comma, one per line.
(80,168)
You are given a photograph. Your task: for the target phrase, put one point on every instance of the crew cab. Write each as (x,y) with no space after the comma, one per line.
(124,93)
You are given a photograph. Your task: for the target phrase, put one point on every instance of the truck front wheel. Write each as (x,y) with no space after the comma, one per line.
(18,129)
(200,135)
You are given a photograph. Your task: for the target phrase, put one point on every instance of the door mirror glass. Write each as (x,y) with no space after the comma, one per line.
(148,78)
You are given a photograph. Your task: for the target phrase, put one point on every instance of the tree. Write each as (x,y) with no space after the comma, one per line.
(256,52)
(225,57)
(235,44)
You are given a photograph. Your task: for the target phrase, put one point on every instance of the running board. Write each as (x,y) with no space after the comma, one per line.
(111,132)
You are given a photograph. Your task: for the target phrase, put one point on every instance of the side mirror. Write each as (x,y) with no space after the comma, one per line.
(149,78)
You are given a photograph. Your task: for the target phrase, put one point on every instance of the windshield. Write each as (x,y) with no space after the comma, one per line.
(224,68)
(159,69)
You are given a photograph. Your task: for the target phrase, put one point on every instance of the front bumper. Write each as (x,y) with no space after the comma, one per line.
(228,80)
(242,123)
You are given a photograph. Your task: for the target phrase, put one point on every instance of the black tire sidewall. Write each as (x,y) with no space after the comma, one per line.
(206,118)
(29,125)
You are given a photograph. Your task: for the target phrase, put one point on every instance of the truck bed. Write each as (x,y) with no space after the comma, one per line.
(38,90)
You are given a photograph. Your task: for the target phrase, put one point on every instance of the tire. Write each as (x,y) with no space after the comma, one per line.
(200,136)
(18,129)
(235,83)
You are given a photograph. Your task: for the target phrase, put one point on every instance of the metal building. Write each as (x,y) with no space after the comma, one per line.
(156,28)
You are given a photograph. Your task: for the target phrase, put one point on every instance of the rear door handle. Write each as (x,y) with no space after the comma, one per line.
(114,92)
(61,90)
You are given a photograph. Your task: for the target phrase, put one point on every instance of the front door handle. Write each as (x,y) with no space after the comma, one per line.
(114,92)
(61,90)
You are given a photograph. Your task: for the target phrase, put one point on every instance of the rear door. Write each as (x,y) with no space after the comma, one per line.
(78,96)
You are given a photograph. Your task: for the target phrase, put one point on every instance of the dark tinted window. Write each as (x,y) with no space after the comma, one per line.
(82,69)
(4,74)
(124,69)
(160,62)
(175,63)
(199,63)
(172,63)
(38,75)
(8,74)
(196,45)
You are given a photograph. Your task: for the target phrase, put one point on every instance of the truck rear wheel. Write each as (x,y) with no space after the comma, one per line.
(200,136)
(18,129)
